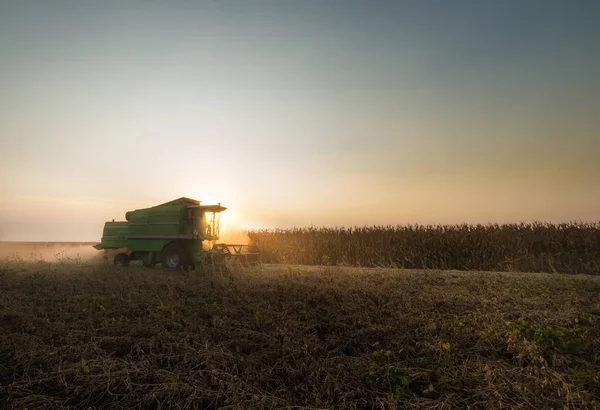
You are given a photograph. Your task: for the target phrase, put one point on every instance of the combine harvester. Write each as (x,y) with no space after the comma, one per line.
(180,234)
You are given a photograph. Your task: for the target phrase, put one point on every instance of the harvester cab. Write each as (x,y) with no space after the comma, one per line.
(205,221)
(178,234)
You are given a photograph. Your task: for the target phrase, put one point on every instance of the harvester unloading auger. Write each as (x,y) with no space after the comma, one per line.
(177,234)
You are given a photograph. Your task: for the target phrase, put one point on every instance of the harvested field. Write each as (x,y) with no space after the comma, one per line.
(97,336)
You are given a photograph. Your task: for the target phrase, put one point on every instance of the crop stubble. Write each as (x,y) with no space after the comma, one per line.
(104,337)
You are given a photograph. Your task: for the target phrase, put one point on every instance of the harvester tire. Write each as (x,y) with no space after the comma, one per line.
(121,259)
(173,257)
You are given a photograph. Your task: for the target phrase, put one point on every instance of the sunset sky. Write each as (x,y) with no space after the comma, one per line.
(295,113)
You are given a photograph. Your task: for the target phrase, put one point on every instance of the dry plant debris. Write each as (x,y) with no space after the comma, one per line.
(95,336)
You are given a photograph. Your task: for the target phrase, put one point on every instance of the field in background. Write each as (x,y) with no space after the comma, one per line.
(101,336)
(572,248)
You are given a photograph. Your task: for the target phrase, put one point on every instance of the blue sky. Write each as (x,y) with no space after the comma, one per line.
(298,112)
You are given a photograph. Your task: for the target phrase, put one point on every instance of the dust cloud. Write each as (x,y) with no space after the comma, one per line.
(81,251)
(234,238)
(50,252)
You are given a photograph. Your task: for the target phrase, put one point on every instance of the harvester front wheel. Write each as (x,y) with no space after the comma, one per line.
(173,257)
(121,259)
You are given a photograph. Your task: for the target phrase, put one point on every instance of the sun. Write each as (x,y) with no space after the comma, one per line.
(208,200)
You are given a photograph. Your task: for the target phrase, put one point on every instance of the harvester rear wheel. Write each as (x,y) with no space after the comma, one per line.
(173,257)
(121,259)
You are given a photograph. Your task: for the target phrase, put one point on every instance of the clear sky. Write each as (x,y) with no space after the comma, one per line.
(294,113)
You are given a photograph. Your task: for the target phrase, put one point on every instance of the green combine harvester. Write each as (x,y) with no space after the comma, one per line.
(180,234)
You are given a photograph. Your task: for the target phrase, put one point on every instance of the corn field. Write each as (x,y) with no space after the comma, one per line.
(526,247)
